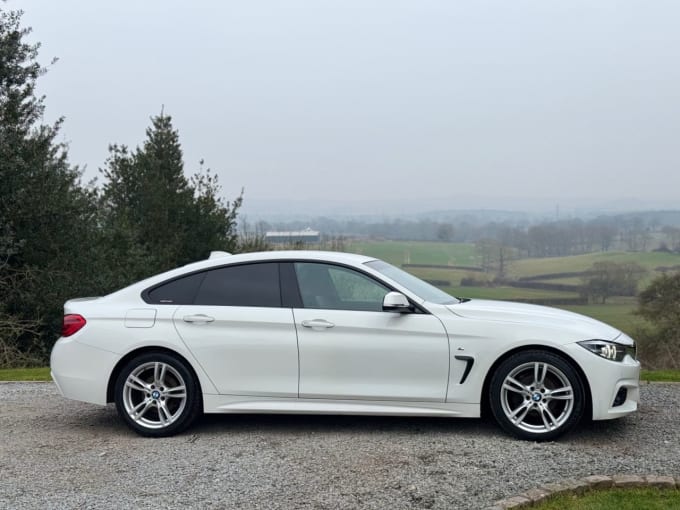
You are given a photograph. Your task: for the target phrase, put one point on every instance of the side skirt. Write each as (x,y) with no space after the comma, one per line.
(248,404)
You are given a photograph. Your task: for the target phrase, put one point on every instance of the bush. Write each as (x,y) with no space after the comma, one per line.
(659,342)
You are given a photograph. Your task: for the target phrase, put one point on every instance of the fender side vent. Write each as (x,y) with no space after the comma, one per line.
(469,360)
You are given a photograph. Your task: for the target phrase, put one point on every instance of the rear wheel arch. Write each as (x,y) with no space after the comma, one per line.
(485,403)
(146,350)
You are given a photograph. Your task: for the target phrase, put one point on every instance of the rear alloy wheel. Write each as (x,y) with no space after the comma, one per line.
(157,395)
(536,395)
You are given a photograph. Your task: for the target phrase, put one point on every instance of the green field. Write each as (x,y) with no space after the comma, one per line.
(464,254)
(576,263)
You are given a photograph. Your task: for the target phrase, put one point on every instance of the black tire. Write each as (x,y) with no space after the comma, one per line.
(149,396)
(523,399)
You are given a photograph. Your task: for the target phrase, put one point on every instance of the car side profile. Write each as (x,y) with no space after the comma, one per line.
(323,332)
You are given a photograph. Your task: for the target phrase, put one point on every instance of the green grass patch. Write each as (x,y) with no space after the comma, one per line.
(576,263)
(25,374)
(645,498)
(660,376)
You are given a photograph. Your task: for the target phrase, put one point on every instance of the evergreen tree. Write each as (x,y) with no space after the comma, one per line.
(45,215)
(150,206)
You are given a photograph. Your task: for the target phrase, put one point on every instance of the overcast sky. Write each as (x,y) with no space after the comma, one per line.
(460,103)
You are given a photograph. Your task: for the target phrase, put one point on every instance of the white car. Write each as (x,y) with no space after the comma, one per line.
(317,332)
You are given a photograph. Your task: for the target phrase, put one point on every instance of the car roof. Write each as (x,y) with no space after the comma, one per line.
(328,256)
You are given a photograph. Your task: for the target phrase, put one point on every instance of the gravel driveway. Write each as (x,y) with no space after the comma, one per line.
(56,453)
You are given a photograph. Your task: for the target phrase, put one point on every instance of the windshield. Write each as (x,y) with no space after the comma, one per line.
(420,288)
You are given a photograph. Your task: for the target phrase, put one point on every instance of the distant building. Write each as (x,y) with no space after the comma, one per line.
(306,236)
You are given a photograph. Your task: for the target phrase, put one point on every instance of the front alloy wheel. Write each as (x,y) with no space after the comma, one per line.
(156,395)
(536,395)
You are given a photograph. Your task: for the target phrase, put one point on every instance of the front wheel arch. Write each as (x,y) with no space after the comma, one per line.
(485,402)
(144,350)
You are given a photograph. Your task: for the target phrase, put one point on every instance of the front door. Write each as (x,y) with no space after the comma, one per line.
(351,349)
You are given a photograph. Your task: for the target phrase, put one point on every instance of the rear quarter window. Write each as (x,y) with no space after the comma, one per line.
(181,291)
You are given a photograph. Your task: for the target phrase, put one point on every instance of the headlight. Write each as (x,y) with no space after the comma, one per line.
(609,350)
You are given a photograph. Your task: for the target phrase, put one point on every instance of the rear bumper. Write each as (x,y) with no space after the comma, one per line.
(80,371)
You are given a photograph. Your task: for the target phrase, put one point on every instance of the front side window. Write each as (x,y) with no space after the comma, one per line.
(420,288)
(245,285)
(332,287)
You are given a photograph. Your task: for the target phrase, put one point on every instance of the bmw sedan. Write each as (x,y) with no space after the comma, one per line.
(337,333)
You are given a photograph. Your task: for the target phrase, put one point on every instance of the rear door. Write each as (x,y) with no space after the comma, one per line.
(239,333)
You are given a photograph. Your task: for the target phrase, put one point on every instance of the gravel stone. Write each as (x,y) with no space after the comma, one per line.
(61,454)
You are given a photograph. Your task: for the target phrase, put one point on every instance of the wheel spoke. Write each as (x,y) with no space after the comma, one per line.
(136,383)
(565,393)
(163,413)
(161,377)
(157,368)
(540,370)
(176,392)
(548,419)
(524,409)
(515,386)
(136,413)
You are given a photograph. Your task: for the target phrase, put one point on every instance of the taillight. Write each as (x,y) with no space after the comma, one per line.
(72,324)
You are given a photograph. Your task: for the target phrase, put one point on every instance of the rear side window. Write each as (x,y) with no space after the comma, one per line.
(246,285)
(181,291)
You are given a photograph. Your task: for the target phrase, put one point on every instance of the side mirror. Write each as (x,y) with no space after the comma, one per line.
(396,302)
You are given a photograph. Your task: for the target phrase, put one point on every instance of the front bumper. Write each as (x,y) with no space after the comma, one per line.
(606,379)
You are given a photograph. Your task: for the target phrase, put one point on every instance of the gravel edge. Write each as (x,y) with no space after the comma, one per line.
(580,485)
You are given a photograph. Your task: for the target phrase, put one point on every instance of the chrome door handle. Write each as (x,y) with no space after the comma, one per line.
(198,318)
(318,324)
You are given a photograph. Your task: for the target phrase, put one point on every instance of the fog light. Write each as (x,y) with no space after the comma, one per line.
(621,397)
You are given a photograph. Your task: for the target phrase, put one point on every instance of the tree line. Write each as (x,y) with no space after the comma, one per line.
(528,240)
(60,238)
